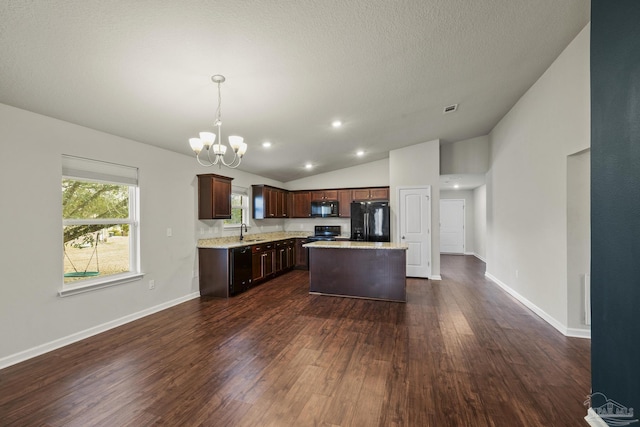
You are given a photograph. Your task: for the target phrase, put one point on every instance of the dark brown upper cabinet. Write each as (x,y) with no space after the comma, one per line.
(214,196)
(345,197)
(322,195)
(375,193)
(301,204)
(270,202)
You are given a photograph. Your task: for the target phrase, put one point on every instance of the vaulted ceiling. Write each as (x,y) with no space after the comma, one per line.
(386,68)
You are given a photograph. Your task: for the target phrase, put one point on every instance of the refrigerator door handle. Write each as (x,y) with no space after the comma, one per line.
(366,226)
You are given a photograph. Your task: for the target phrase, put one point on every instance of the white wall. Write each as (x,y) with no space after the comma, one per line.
(31,313)
(373,174)
(480,222)
(418,165)
(470,156)
(469,215)
(526,189)
(578,235)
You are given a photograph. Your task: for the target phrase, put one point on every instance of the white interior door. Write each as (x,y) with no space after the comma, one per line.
(452,226)
(415,229)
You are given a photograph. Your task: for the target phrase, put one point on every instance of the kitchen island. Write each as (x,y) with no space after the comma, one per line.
(371,270)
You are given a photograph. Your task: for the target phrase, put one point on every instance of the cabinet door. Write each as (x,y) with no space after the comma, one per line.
(301,204)
(221,198)
(288,204)
(284,200)
(361,194)
(331,194)
(272,202)
(317,196)
(281,258)
(281,208)
(290,254)
(256,266)
(214,197)
(344,201)
(269,262)
(379,194)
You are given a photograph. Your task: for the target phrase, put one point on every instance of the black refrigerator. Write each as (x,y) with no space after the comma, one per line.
(370,221)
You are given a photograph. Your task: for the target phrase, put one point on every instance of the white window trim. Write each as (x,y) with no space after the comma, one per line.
(100,283)
(245,209)
(124,175)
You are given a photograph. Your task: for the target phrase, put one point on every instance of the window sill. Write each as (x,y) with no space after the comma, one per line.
(95,284)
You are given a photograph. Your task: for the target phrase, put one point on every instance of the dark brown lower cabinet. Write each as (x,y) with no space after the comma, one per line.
(263,261)
(267,260)
(284,255)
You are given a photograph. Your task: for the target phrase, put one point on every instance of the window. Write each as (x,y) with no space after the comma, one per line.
(239,208)
(99,223)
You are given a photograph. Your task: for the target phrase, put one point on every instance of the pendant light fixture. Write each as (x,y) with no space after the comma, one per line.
(207,140)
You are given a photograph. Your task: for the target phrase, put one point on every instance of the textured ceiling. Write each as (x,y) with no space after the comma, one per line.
(141,70)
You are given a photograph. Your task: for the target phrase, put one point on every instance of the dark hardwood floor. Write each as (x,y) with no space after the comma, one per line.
(460,352)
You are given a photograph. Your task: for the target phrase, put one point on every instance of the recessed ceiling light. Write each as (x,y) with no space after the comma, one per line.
(456,186)
(308,166)
(336,123)
(360,153)
(266,144)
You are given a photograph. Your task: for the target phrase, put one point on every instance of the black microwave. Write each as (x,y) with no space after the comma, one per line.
(324,209)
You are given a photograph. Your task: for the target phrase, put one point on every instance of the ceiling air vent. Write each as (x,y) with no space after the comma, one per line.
(450,109)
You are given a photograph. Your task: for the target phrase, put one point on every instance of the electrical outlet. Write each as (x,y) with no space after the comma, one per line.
(152,285)
(517,273)
(169,232)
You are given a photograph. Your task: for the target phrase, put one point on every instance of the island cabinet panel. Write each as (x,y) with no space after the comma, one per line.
(301,204)
(301,255)
(361,273)
(214,196)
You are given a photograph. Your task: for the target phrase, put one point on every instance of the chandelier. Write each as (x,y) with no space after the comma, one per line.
(207,140)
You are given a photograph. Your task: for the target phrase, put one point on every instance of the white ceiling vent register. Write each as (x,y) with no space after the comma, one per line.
(450,109)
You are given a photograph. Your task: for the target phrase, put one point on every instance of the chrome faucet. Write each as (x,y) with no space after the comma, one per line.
(245,230)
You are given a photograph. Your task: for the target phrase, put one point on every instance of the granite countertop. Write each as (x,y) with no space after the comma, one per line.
(356,245)
(251,239)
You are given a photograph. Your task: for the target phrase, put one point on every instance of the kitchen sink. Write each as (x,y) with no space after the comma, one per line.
(253,240)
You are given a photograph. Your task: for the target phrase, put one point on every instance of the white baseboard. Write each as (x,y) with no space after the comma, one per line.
(594,419)
(479,257)
(578,333)
(435,277)
(78,336)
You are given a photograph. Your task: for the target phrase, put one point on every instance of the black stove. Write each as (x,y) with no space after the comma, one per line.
(325,232)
